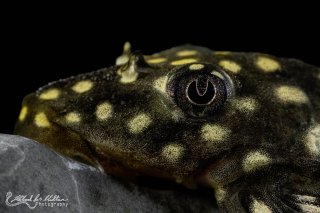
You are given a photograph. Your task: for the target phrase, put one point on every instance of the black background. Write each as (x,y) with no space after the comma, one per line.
(39,47)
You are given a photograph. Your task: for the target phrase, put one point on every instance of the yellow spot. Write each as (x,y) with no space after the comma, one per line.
(139,123)
(73,117)
(245,104)
(104,111)
(156,60)
(220,194)
(222,53)
(310,208)
(312,140)
(196,66)
(50,94)
(230,66)
(183,61)
(218,74)
(41,120)
(267,64)
(259,207)
(291,94)
(214,133)
(172,152)
(82,86)
(161,83)
(255,160)
(184,53)
(23,113)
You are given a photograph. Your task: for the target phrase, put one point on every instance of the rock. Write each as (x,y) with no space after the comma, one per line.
(30,169)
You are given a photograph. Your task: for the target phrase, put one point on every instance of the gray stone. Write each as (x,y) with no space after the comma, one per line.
(29,168)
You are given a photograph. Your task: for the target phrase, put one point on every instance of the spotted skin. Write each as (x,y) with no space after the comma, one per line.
(244,124)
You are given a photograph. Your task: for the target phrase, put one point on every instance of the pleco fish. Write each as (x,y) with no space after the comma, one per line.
(245,124)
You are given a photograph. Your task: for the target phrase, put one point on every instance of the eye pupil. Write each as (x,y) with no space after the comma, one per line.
(199,94)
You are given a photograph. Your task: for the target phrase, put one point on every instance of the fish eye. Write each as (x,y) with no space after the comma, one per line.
(199,92)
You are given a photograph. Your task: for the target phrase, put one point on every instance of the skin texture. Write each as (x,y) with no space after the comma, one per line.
(245,124)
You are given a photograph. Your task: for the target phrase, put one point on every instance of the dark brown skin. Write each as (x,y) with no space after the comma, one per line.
(245,124)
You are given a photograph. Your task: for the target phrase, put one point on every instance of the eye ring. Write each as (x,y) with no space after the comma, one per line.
(199,93)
